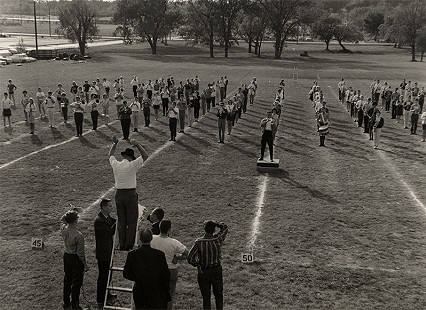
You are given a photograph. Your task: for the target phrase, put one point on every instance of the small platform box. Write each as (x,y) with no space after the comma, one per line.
(268,164)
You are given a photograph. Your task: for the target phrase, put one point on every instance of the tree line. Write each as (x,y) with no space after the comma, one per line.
(223,23)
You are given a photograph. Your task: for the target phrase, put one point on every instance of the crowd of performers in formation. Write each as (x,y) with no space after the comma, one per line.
(405,101)
(182,103)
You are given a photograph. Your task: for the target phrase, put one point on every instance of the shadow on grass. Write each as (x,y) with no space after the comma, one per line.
(113,129)
(36,140)
(285,177)
(146,136)
(189,148)
(103,136)
(87,143)
(56,134)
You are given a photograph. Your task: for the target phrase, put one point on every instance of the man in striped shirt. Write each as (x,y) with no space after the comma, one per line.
(206,256)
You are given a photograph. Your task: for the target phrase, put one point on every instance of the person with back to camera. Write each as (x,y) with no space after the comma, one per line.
(147,267)
(74,259)
(206,255)
(174,251)
(126,197)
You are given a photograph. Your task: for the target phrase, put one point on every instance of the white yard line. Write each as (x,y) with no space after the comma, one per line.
(395,172)
(260,203)
(400,178)
(5,165)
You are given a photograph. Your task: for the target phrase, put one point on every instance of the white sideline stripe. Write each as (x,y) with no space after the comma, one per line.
(47,148)
(408,187)
(397,174)
(260,202)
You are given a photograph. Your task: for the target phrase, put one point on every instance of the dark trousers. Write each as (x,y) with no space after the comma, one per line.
(165,102)
(393,111)
(366,119)
(360,117)
(211,277)
(182,117)
(103,267)
(208,102)
(414,121)
(172,125)
(147,115)
(78,118)
(127,213)
(196,112)
(222,93)
(135,93)
(73,279)
(221,122)
(94,114)
(245,104)
(213,101)
(107,91)
(267,138)
(125,126)
(387,105)
(352,109)
(65,113)
(149,93)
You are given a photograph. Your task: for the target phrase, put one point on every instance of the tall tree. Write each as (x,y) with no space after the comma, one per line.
(78,22)
(372,23)
(150,19)
(325,28)
(409,19)
(283,16)
(252,26)
(228,11)
(346,33)
(421,43)
(202,22)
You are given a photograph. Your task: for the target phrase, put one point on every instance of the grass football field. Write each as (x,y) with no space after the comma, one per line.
(340,227)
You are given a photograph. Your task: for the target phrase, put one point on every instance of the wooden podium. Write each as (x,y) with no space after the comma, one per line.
(267,165)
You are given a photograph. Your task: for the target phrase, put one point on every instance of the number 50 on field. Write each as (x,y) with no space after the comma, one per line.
(247,258)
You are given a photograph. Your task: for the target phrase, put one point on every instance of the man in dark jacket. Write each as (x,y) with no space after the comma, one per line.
(104,234)
(147,267)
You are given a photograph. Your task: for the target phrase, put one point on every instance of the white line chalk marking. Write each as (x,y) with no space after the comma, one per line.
(260,202)
(46,148)
(396,173)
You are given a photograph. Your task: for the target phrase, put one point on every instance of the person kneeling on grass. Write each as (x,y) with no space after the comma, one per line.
(74,258)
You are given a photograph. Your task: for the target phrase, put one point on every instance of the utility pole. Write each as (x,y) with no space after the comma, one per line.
(35,28)
(50,29)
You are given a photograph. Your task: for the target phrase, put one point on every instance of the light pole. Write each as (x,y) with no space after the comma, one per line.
(50,29)
(35,28)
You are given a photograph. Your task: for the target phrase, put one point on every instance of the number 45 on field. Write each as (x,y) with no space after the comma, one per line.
(247,257)
(37,243)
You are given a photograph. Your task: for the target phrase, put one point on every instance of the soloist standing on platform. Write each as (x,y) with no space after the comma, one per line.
(126,197)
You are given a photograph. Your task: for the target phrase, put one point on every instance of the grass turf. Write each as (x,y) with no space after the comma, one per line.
(338,229)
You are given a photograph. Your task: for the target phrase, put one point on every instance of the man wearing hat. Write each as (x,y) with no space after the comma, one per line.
(126,197)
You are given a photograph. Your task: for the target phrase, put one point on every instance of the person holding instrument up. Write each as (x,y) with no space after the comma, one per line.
(267,124)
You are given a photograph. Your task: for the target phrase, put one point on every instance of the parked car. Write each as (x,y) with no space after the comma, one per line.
(7,60)
(2,63)
(20,58)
